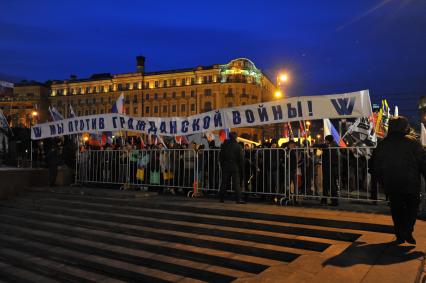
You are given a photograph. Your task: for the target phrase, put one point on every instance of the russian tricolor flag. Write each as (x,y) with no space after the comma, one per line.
(118,106)
(329,129)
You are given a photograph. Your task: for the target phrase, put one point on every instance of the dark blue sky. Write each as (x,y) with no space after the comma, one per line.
(327,46)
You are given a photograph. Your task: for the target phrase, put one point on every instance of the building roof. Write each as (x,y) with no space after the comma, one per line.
(29,83)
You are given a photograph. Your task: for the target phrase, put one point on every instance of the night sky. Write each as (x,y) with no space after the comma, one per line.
(326,46)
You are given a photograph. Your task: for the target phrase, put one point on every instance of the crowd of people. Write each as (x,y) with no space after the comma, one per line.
(293,170)
(266,170)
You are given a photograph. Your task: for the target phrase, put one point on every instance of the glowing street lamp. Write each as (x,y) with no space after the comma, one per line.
(283,77)
(278,94)
(34,113)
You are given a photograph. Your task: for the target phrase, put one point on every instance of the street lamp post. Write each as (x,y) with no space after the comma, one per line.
(34,115)
(281,80)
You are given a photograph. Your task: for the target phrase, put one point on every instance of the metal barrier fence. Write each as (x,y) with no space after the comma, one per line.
(295,174)
(333,173)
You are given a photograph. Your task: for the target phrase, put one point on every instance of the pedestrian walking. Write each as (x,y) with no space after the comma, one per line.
(399,162)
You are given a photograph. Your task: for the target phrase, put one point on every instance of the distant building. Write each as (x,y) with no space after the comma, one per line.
(20,100)
(181,92)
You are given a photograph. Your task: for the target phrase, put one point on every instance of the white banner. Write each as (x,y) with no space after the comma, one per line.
(347,105)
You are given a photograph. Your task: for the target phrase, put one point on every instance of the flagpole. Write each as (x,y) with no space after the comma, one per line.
(31,156)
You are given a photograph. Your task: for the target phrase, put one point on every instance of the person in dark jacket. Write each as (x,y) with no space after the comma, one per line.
(52,160)
(330,164)
(399,162)
(232,162)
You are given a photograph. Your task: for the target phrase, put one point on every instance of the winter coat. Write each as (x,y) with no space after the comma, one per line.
(398,162)
(231,155)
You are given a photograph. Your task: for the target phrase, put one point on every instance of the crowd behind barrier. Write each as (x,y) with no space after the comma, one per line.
(288,173)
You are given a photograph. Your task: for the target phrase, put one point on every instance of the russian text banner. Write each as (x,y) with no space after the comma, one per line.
(347,105)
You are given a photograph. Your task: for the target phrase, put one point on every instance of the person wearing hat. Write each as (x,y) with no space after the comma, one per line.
(231,161)
(399,162)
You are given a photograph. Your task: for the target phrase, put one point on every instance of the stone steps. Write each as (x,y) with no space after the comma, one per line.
(108,220)
(77,238)
(219,220)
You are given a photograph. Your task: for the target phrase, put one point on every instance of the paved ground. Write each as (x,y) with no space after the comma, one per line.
(95,235)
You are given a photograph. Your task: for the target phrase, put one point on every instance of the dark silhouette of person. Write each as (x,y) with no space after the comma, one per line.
(232,163)
(330,164)
(52,160)
(399,162)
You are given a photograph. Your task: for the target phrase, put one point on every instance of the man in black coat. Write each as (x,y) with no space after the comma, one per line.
(330,167)
(232,163)
(399,161)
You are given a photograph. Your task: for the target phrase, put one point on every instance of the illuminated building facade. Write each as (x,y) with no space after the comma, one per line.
(24,103)
(182,92)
